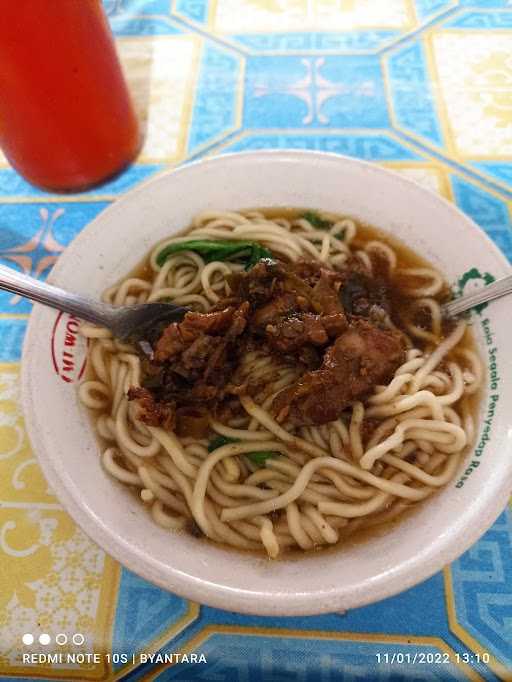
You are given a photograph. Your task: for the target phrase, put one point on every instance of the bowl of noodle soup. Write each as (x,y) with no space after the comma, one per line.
(312,435)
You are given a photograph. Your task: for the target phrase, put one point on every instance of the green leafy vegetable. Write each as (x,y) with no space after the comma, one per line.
(316,221)
(210,250)
(259,458)
(219,441)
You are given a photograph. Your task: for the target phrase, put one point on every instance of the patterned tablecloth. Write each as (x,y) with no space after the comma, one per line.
(420,86)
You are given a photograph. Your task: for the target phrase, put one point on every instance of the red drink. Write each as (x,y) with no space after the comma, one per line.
(66,118)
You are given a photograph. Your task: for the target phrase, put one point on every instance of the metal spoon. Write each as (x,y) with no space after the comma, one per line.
(125,322)
(497,289)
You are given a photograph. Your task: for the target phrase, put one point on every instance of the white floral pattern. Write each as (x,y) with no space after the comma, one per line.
(477,90)
(66,599)
(235,16)
(160,92)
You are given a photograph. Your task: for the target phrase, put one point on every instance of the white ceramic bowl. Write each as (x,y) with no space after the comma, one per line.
(63,439)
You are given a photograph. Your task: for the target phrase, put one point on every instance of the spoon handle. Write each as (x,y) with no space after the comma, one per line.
(497,289)
(41,292)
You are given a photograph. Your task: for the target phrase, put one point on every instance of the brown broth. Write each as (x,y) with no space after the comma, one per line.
(406,258)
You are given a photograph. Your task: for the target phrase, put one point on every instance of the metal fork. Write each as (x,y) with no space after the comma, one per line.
(125,322)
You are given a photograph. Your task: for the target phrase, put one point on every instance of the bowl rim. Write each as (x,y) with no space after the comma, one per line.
(410,572)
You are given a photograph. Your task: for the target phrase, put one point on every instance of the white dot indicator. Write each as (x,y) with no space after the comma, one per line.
(27,639)
(44,639)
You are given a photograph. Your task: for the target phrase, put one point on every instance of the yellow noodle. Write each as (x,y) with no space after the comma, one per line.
(324,475)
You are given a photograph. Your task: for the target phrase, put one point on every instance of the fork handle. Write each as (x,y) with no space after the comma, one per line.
(54,297)
(497,289)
